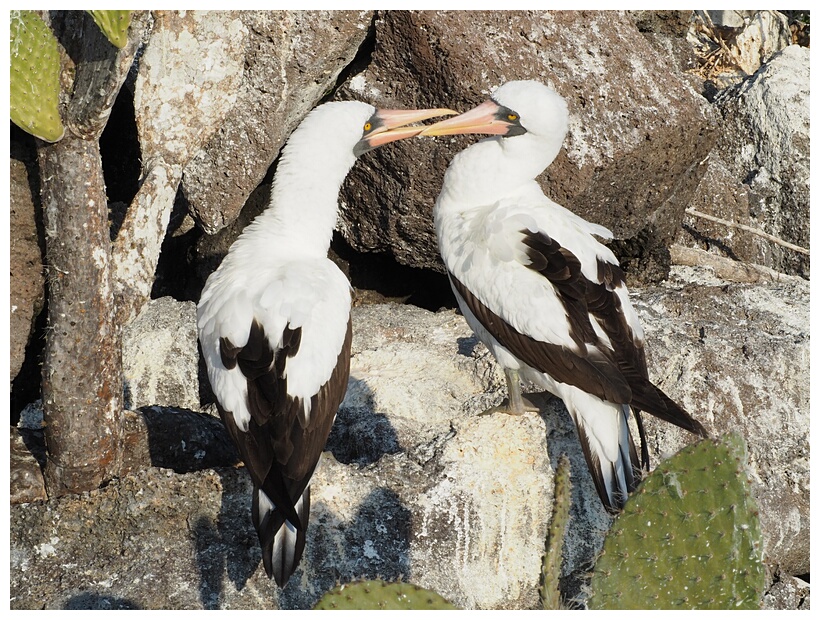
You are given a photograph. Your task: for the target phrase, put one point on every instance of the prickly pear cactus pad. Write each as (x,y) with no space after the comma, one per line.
(378,594)
(34,76)
(114,25)
(689,537)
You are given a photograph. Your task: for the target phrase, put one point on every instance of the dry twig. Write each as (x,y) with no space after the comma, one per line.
(724,268)
(755,231)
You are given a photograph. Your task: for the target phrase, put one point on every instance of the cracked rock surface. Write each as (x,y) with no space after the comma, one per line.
(414,484)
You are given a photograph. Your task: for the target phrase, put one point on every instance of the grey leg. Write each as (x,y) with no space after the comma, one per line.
(516,404)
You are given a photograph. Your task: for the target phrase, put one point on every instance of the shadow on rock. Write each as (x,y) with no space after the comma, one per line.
(92,600)
(466,346)
(211,556)
(229,546)
(187,441)
(360,435)
(374,544)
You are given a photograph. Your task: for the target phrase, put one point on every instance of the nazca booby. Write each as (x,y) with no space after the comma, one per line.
(548,300)
(274,321)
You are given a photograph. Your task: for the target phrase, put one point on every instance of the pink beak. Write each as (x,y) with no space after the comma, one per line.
(394,122)
(481,119)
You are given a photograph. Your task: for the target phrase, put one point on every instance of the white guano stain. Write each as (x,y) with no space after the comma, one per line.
(47,549)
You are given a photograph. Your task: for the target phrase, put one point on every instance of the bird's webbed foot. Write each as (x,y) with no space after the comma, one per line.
(504,407)
(517,403)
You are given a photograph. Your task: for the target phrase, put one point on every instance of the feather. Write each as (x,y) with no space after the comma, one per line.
(545,296)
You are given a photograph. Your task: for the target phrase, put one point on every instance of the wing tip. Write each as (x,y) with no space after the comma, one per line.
(283,542)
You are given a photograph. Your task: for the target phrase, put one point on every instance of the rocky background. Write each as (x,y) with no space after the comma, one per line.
(676,117)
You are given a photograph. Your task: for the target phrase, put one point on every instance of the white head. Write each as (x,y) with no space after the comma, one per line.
(334,134)
(314,163)
(541,111)
(514,109)
(529,122)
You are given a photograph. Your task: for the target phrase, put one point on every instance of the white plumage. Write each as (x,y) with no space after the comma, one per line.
(274,321)
(300,292)
(548,299)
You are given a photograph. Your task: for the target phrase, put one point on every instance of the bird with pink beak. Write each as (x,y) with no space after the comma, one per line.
(274,321)
(540,291)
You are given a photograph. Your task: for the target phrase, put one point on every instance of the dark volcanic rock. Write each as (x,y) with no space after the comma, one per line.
(292,61)
(637,132)
(26,264)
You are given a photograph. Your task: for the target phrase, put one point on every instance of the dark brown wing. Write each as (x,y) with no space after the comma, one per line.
(618,374)
(594,373)
(280,449)
(582,299)
(282,444)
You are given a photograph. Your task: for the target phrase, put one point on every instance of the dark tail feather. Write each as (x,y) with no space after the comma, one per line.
(652,400)
(644,446)
(282,542)
(602,474)
(594,466)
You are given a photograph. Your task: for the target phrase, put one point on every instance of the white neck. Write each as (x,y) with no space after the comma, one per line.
(494,168)
(304,199)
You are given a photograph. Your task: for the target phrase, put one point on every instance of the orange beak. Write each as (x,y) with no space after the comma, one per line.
(487,118)
(390,125)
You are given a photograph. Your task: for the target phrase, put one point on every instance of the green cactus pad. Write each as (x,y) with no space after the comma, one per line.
(34,77)
(114,25)
(378,594)
(548,592)
(688,538)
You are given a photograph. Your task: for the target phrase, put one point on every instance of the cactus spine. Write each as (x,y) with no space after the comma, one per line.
(689,538)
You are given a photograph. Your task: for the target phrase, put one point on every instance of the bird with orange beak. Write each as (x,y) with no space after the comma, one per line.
(274,321)
(541,292)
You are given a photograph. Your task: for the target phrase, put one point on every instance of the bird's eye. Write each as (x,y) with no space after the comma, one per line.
(512,117)
(368,126)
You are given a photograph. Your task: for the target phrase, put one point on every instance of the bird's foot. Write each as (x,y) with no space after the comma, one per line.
(526,406)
